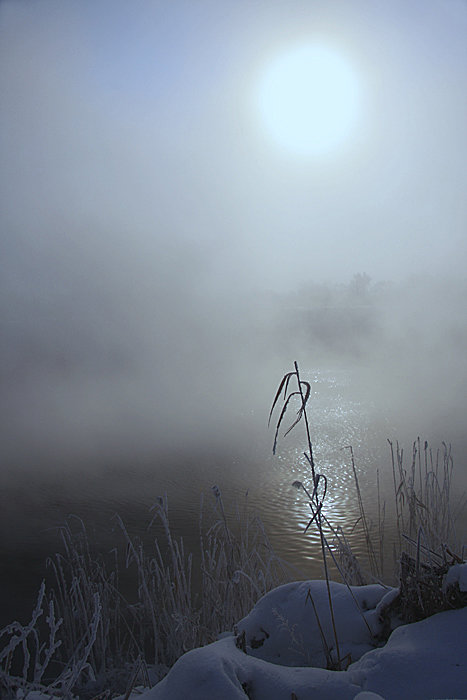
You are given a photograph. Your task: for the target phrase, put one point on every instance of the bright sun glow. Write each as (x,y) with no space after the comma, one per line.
(308,99)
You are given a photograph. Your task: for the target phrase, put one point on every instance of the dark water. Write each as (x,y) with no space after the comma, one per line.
(34,503)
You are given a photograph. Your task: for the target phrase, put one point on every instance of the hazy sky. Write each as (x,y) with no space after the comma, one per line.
(129,129)
(143,203)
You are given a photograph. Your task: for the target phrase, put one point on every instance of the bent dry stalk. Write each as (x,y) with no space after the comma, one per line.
(316,499)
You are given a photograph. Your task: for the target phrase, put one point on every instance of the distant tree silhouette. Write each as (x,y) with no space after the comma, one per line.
(360,284)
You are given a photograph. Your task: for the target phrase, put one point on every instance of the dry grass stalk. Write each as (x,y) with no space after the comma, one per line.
(316,498)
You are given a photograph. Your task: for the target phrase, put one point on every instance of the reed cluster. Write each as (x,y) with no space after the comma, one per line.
(111,622)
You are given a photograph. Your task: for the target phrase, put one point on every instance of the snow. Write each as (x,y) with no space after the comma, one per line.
(284,651)
(457,574)
(276,652)
(427,659)
(219,670)
(284,628)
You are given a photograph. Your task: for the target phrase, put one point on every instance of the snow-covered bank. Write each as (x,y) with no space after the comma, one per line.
(278,650)
(427,659)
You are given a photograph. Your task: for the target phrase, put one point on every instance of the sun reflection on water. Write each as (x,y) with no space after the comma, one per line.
(336,422)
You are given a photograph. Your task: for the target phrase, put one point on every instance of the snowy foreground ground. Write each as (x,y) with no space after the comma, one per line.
(278,653)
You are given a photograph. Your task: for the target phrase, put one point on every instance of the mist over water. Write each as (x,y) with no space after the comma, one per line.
(162,265)
(372,379)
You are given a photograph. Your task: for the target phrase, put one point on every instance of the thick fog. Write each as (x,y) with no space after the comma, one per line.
(162,262)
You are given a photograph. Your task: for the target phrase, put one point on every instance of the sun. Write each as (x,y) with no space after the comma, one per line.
(308,99)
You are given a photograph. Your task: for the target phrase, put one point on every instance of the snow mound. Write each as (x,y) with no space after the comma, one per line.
(456,574)
(222,671)
(427,659)
(287,625)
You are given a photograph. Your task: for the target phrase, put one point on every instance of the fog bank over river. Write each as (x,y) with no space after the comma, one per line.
(87,379)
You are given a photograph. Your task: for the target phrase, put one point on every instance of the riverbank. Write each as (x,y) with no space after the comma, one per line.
(283,648)
(426,659)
